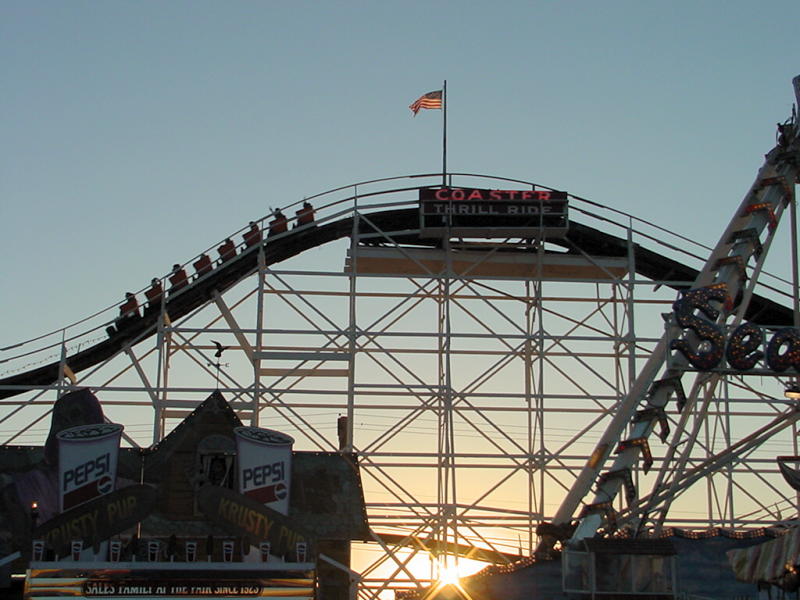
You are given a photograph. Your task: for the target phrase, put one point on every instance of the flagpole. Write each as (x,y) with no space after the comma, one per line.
(444,133)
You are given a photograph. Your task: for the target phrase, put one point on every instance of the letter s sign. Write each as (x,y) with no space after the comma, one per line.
(708,333)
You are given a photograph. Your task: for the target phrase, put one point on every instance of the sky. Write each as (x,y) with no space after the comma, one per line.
(137,134)
(134,135)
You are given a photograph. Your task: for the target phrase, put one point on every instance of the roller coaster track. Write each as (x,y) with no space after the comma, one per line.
(389,216)
(404,223)
(384,212)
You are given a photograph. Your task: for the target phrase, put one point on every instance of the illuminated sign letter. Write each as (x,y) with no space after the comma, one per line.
(778,361)
(742,346)
(709,333)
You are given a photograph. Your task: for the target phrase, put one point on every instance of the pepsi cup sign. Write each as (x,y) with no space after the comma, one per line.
(87,463)
(265,466)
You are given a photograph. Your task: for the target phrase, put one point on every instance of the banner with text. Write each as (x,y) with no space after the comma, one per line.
(245,517)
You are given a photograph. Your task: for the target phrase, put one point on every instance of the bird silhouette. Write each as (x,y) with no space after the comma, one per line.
(220,349)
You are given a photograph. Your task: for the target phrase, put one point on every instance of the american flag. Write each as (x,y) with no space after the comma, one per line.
(429,100)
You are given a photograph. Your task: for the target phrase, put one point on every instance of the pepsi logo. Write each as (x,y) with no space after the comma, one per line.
(105,485)
(280,491)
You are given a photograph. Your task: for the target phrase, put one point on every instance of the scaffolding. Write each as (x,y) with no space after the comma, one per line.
(476,375)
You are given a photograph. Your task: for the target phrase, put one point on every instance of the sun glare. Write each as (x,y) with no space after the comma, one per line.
(449,575)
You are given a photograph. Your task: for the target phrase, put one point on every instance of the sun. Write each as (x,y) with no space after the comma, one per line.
(450,575)
(449,582)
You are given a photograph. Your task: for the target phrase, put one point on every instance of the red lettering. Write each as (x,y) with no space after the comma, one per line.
(476,195)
